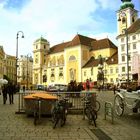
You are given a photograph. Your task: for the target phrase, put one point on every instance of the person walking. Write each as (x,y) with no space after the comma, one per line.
(88,84)
(11,91)
(4,92)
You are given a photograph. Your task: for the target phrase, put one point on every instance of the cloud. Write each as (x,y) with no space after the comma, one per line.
(55,20)
(109,4)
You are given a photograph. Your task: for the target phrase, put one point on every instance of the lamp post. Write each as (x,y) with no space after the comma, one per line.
(22,36)
(123,18)
(28,56)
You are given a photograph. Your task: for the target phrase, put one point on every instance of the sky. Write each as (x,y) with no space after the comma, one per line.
(57,21)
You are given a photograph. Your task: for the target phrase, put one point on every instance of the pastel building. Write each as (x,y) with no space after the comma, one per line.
(76,59)
(128,25)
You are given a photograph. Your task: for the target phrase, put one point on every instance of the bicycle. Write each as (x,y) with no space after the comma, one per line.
(37,109)
(90,111)
(59,112)
(95,102)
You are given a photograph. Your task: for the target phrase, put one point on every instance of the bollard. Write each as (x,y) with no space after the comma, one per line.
(109,111)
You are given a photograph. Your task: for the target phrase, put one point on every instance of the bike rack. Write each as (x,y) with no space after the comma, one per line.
(109,111)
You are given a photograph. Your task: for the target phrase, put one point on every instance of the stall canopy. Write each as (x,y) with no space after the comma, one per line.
(3,81)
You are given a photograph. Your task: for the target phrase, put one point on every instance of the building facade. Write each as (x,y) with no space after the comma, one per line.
(7,66)
(128,39)
(73,60)
(24,71)
(2,55)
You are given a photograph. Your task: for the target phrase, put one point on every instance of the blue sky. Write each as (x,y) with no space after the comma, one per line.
(56,20)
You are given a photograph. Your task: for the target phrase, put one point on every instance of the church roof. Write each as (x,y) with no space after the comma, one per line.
(91,63)
(94,62)
(59,47)
(126,4)
(83,40)
(102,44)
(41,39)
(80,39)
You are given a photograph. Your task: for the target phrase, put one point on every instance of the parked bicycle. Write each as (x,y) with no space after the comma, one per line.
(89,110)
(124,98)
(95,102)
(59,112)
(37,109)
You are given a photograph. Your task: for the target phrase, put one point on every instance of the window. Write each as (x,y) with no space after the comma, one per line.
(117,70)
(60,72)
(122,39)
(134,46)
(111,80)
(36,47)
(123,58)
(111,70)
(44,78)
(129,68)
(85,73)
(123,69)
(122,48)
(134,37)
(133,19)
(72,58)
(44,46)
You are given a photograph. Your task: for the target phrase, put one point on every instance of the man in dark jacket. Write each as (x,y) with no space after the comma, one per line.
(11,90)
(4,92)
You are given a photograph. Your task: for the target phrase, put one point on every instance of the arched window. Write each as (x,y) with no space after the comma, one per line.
(72,58)
(123,20)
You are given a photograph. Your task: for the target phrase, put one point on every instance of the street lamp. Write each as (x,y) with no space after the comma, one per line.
(123,18)
(22,36)
(28,76)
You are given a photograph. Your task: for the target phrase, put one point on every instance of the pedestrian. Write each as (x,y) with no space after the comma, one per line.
(4,92)
(88,84)
(23,88)
(11,91)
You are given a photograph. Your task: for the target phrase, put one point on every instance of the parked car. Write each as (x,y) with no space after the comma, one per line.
(57,87)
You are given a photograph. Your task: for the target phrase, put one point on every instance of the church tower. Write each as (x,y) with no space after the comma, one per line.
(41,48)
(126,16)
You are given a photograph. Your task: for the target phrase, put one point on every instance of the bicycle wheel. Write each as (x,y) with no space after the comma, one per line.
(88,114)
(63,119)
(94,116)
(97,108)
(118,105)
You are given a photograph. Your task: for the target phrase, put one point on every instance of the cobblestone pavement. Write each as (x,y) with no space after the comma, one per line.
(20,127)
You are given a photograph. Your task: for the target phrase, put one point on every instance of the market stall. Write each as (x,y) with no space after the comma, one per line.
(47,101)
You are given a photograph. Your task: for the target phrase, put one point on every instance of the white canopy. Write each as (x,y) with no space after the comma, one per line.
(3,81)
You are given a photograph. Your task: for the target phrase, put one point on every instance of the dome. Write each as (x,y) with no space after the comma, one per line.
(126,4)
(41,39)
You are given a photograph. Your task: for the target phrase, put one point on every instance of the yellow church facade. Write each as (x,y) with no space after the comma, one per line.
(77,59)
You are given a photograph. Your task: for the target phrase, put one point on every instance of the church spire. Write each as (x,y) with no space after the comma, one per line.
(126,4)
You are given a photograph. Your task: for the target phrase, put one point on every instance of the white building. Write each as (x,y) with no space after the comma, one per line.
(128,38)
(24,71)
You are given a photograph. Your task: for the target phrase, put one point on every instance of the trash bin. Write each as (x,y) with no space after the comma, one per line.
(46,103)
